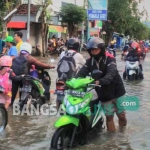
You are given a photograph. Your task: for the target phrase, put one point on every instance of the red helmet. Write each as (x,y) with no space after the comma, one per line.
(141,42)
(135,45)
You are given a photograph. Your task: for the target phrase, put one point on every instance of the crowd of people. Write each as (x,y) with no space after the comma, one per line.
(14,49)
(112,88)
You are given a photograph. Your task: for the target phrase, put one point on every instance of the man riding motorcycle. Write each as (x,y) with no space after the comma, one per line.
(112,87)
(25,51)
(136,54)
(73,46)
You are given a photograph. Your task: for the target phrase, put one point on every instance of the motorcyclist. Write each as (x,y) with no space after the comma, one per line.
(112,46)
(136,54)
(73,45)
(125,49)
(112,87)
(25,51)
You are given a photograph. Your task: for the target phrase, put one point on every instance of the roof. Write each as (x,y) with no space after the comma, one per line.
(23,9)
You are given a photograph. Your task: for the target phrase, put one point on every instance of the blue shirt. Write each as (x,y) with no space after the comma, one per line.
(2,44)
(13,51)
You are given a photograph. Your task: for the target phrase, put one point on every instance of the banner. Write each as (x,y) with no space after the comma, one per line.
(94,31)
(58,29)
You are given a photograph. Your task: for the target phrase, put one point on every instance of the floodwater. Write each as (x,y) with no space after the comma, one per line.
(35,132)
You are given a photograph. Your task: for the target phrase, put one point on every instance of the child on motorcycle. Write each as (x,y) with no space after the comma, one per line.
(6,77)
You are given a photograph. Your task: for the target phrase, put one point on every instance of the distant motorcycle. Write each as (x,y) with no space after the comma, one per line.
(123,55)
(132,69)
(55,50)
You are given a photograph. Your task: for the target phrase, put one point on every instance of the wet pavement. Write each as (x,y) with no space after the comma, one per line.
(35,132)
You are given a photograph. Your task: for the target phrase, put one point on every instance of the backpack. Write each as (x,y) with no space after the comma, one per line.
(20,65)
(67,66)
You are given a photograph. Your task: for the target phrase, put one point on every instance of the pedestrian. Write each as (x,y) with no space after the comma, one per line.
(112,89)
(18,39)
(2,44)
(12,50)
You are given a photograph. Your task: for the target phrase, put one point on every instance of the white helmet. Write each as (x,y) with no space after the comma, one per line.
(26,47)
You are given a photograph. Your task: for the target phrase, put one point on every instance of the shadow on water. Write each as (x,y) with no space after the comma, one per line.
(35,132)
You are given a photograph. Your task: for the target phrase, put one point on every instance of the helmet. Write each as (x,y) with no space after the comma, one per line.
(73,43)
(96,42)
(130,43)
(26,47)
(141,42)
(5,61)
(135,45)
(112,42)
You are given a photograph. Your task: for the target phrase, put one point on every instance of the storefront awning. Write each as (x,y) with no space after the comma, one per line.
(18,25)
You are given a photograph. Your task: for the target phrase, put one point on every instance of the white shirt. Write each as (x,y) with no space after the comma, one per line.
(79,59)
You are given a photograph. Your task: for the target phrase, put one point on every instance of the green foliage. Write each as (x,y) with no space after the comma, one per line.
(72,15)
(7,6)
(125,18)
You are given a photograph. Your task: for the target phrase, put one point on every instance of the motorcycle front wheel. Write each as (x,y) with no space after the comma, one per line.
(62,138)
(3,117)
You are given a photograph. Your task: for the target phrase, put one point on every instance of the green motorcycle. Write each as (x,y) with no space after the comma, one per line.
(79,119)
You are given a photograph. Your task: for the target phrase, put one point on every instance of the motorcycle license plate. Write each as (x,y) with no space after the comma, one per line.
(26,88)
(76,93)
(59,92)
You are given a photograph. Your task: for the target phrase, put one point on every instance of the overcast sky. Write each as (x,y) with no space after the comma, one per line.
(146,4)
(57,4)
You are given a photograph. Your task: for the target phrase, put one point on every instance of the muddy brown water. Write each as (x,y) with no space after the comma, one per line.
(35,132)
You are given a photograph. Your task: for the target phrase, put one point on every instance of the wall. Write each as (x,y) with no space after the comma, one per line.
(23,18)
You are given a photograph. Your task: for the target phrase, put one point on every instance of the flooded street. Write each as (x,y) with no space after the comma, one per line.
(35,132)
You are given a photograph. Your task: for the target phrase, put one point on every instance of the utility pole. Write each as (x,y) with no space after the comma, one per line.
(82,37)
(28,21)
(88,28)
(75,2)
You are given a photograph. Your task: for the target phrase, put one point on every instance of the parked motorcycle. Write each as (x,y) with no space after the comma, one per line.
(55,50)
(132,69)
(79,120)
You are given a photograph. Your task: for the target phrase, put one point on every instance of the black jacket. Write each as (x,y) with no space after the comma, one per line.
(111,83)
(135,55)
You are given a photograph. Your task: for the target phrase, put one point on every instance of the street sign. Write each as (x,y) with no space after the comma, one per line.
(97,14)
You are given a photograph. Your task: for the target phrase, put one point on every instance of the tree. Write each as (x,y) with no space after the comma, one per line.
(45,16)
(72,15)
(6,7)
(124,17)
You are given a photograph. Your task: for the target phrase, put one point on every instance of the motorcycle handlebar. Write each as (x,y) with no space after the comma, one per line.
(94,85)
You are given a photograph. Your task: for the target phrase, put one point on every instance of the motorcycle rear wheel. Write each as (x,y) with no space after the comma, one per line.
(3,117)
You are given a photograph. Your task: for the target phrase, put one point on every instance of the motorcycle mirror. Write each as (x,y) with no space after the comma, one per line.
(96,74)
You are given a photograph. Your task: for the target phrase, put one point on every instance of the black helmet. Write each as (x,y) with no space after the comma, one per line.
(96,42)
(73,43)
